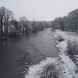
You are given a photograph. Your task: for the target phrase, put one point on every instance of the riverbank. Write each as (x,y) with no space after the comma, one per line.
(67,42)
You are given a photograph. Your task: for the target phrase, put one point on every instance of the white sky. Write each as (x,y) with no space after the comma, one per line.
(40,9)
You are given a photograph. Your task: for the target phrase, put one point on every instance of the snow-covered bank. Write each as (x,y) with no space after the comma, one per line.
(44,69)
(65,36)
(67,65)
(67,46)
(70,40)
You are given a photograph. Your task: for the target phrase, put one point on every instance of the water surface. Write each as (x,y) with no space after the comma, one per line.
(15,52)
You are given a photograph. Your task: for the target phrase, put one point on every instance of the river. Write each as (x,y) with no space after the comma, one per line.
(15,52)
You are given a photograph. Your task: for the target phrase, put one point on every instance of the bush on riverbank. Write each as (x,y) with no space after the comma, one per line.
(73,51)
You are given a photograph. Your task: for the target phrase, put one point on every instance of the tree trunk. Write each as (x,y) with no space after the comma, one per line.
(1,27)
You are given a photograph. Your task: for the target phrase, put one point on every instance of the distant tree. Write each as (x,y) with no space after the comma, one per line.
(58,23)
(15,27)
(5,16)
(24,24)
(73,20)
(69,22)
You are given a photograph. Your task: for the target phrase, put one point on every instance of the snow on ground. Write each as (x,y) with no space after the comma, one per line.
(69,66)
(35,71)
(65,36)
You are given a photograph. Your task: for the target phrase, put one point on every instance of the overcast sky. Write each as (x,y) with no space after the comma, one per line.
(40,9)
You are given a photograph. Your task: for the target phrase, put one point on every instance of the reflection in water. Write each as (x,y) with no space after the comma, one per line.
(3,58)
(3,44)
(12,59)
(22,65)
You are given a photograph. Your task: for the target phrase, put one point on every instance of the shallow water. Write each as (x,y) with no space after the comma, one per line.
(15,52)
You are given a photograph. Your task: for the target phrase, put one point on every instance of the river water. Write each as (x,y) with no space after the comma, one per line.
(15,52)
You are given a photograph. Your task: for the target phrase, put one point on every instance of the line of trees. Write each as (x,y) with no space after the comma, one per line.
(9,26)
(67,23)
